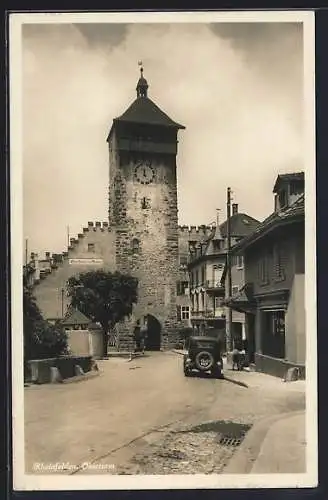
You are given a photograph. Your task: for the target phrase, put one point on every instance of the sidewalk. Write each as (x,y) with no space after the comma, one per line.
(274,445)
(284,447)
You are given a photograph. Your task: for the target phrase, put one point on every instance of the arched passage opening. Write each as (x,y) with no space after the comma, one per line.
(153,341)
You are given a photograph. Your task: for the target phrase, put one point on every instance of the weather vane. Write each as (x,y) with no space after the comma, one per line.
(140,64)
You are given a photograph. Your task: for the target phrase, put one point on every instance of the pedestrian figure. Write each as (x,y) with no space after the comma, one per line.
(143,335)
(137,336)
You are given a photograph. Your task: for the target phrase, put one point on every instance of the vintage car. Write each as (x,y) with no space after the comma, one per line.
(204,355)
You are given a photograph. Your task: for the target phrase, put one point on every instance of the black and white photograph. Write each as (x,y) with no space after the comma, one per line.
(163,259)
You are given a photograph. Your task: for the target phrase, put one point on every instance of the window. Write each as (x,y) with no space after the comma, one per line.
(183,260)
(278,258)
(185,312)
(278,323)
(240,261)
(181,287)
(263,270)
(135,245)
(218,302)
(203,275)
(283,199)
(235,290)
(91,247)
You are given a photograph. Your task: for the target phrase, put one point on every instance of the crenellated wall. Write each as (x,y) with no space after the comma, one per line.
(52,272)
(92,249)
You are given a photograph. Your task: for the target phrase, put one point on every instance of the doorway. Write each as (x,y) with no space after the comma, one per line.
(153,341)
(250,339)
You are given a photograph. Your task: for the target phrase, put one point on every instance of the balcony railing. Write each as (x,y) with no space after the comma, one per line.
(219,312)
(214,284)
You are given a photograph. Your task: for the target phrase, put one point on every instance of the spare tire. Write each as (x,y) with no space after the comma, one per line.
(204,361)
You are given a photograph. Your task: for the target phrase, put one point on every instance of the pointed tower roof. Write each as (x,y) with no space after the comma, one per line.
(75,317)
(144,111)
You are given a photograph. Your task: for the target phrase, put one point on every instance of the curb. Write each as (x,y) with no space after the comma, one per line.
(243,460)
(178,352)
(79,378)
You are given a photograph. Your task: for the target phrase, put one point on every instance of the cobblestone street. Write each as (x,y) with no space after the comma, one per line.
(145,417)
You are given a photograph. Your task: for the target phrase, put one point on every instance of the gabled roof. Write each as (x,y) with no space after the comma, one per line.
(241,225)
(289,214)
(75,317)
(283,178)
(144,111)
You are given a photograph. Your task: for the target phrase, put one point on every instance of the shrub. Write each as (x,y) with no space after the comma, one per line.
(45,340)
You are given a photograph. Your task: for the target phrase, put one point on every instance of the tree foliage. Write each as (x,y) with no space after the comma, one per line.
(41,338)
(104,297)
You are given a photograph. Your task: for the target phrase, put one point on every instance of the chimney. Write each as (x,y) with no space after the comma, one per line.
(234,208)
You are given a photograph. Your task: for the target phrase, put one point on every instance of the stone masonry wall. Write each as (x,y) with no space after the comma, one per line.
(145,218)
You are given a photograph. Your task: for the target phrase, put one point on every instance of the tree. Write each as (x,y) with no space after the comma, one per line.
(104,297)
(41,338)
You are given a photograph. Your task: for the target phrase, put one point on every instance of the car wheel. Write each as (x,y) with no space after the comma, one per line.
(204,361)
(187,372)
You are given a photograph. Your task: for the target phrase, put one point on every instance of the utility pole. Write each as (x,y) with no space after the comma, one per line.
(26,251)
(62,302)
(229,323)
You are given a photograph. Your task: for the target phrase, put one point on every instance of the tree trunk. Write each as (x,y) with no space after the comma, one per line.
(105,343)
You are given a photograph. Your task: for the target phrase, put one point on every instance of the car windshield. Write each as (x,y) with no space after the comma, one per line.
(208,343)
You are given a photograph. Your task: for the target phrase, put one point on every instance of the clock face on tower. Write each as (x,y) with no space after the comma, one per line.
(144,172)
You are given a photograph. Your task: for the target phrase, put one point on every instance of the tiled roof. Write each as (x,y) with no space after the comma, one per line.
(75,317)
(294,176)
(276,218)
(144,110)
(241,225)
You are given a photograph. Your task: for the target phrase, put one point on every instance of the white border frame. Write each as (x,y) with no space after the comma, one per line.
(22,481)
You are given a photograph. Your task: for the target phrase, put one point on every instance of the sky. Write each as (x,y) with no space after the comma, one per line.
(237,88)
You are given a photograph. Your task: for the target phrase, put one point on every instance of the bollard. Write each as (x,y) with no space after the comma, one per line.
(78,370)
(55,375)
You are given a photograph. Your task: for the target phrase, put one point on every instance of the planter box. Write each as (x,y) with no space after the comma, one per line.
(40,369)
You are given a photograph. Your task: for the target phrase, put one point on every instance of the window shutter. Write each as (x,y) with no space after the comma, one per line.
(179,313)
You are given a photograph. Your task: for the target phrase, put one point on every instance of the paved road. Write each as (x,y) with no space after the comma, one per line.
(96,419)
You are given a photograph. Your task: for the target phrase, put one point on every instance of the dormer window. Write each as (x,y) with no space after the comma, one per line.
(283,199)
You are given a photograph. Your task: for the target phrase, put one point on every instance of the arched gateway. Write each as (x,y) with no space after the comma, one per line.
(153,342)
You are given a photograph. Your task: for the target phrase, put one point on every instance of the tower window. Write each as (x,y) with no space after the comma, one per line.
(145,203)
(135,245)
(91,247)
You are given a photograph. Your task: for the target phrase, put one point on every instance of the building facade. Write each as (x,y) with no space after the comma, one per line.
(207,274)
(273,295)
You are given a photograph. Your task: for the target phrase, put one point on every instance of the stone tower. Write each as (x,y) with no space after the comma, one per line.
(143,211)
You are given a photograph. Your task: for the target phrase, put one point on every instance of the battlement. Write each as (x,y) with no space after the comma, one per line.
(95,226)
(202,229)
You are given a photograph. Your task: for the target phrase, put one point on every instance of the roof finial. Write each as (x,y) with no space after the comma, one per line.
(142,86)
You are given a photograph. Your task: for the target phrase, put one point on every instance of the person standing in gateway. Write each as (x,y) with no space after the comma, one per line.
(143,335)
